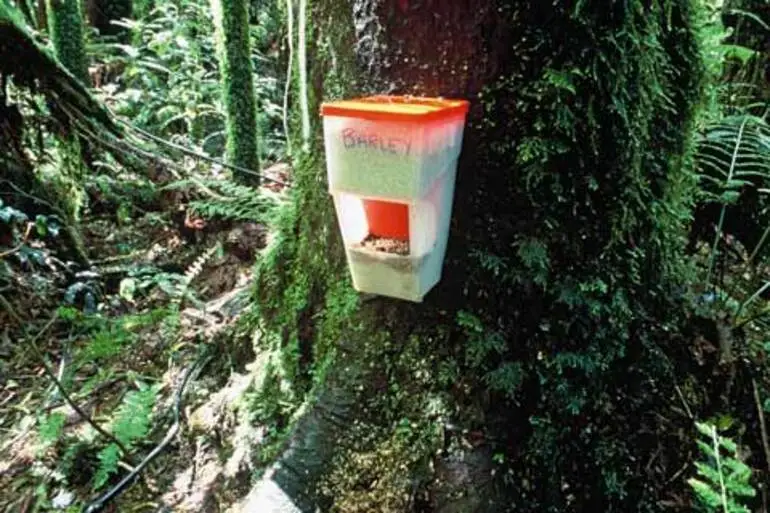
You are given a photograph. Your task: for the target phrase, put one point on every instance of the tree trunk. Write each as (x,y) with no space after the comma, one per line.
(559,285)
(65,23)
(233,49)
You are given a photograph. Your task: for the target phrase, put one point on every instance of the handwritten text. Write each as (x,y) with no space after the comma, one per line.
(352,138)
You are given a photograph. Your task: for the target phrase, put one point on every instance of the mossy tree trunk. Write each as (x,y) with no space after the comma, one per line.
(231,24)
(65,24)
(548,333)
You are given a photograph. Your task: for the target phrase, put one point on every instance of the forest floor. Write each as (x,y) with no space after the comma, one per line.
(157,317)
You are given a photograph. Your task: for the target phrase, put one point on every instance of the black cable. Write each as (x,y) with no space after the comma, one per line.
(99,503)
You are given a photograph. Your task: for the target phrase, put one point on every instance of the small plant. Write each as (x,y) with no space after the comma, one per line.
(723,480)
(484,351)
(226,199)
(166,80)
(130,425)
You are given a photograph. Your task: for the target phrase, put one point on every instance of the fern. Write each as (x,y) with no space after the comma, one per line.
(105,344)
(562,79)
(480,347)
(733,160)
(132,420)
(130,425)
(108,464)
(732,154)
(50,429)
(724,480)
(507,378)
(229,200)
(192,272)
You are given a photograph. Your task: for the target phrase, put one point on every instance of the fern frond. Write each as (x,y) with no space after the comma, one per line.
(108,465)
(179,290)
(194,269)
(130,424)
(50,428)
(724,478)
(706,494)
(226,199)
(132,418)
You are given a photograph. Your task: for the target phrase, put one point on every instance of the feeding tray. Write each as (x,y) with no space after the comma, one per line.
(391,165)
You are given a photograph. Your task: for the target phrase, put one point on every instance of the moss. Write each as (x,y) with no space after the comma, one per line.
(577,161)
(303,285)
(233,49)
(65,23)
(599,133)
(377,472)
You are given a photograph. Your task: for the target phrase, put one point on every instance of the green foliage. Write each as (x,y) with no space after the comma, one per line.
(104,338)
(234,54)
(481,344)
(304,297)
(271,404)
(106,343)
(50,429)
(225,199)
(587,190)
(534,256)
(108,464)
(302,280)
(130,424)
(483,352)
(132,419)
(168,82)
(734,170)
(506,378)
(723,481)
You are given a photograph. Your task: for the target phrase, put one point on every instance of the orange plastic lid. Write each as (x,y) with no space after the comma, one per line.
(397,108)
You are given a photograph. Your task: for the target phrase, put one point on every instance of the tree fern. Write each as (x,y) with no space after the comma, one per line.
(723,480)
(130,424)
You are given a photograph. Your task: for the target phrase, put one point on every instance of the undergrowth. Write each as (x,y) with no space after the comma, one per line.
(723,480)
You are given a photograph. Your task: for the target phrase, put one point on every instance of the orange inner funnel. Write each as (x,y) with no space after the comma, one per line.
(387,220)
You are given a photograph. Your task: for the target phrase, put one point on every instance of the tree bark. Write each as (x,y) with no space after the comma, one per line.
(572,198)
(233,49)
(65,23)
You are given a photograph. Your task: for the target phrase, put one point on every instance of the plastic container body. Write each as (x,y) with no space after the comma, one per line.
(387,219)
(409,276)
(391,165)
(397,160)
